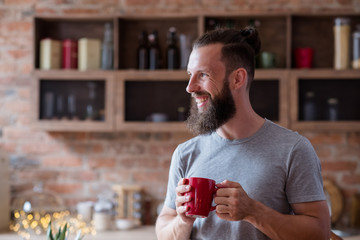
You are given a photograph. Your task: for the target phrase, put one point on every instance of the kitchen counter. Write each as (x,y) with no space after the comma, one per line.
(141,233)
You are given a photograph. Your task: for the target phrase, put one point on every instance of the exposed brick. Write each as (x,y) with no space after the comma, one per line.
(64,188)
(163,149)
(18,53)
(172,3)
(324,152)
(326,138)
(18,27)
(101,162)
(339,166)
(347,153)
(19,2)
(129,148)
(87,148)
(351,179)
(17,106)
(117,175)
(24,134)
(34,175)
(142,3)
(150,177)
(78,175)
(180,137)
(103,2)
(139,162)
(62,161)
(8,147)
(344,2)
(354,139)
(25,93)
(39,148)
(80,11)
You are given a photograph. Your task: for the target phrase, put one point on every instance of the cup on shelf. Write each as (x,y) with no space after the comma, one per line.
(304,57)
(157,117)
(267,60)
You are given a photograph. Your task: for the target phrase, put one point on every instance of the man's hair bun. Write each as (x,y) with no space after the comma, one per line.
(251,36)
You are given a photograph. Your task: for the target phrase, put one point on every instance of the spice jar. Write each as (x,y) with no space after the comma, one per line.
(356,48)
(102,214)
(341,43)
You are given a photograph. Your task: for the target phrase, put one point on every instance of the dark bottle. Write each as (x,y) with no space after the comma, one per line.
(143,51)
(107,49)
(173,59)
(333,113)
(154,51)
(309,107)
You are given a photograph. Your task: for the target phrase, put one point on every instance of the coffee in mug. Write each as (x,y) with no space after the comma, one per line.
(202,195)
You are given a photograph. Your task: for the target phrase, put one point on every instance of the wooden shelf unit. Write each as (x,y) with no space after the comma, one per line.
(280,33)
(144,100)
(349,101)
(70,77)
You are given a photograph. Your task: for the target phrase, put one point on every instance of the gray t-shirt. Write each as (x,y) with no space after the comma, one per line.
(275,166)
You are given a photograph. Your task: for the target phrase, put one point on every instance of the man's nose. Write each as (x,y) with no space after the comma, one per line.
(192,85)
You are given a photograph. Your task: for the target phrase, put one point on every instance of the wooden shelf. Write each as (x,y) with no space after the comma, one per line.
(277,93)
(141,93)
(327,83)
(54,79)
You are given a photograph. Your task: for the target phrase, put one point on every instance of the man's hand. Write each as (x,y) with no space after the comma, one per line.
(233,204)
(181,189)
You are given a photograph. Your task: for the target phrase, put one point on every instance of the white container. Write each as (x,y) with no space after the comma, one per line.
(342,43)
(356,49)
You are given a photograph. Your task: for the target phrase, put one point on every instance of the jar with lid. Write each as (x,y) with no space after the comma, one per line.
(356,48)
(102,216)
(341,43)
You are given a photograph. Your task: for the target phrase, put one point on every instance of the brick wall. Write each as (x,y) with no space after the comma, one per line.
(79,165)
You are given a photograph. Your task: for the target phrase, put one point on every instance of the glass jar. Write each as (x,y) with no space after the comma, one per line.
(341,43)
(356,48)
(102,214)
(33,210)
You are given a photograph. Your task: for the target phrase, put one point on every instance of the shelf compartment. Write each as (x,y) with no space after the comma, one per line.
(143,93)
(61,28)
(307,30)
(268,95)
(325,84)
(271,41)
(130,28)
(54,110)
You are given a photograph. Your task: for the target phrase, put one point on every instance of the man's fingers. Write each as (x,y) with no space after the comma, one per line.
(228,184)
(182,189)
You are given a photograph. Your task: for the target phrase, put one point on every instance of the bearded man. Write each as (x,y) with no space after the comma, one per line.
(269,178)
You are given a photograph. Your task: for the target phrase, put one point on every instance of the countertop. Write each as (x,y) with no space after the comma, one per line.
(141,233)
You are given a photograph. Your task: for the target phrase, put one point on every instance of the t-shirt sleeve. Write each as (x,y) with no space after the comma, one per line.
(174,177)
(304,183)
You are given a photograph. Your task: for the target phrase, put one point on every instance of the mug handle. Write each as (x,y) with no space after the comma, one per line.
(214,207)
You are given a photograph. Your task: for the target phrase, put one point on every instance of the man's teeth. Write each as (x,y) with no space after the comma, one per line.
(200,100)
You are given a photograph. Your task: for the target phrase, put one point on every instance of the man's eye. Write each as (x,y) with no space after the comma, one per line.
(203,75)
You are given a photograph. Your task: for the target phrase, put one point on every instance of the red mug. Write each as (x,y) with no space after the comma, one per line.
(202,195)
(304,57)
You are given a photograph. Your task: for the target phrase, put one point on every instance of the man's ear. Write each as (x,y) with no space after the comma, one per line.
(239,78)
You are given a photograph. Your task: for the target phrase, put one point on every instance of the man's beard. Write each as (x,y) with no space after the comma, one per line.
(219,111)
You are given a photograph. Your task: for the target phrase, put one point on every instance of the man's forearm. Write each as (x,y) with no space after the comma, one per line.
(279,226)
(172,228)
